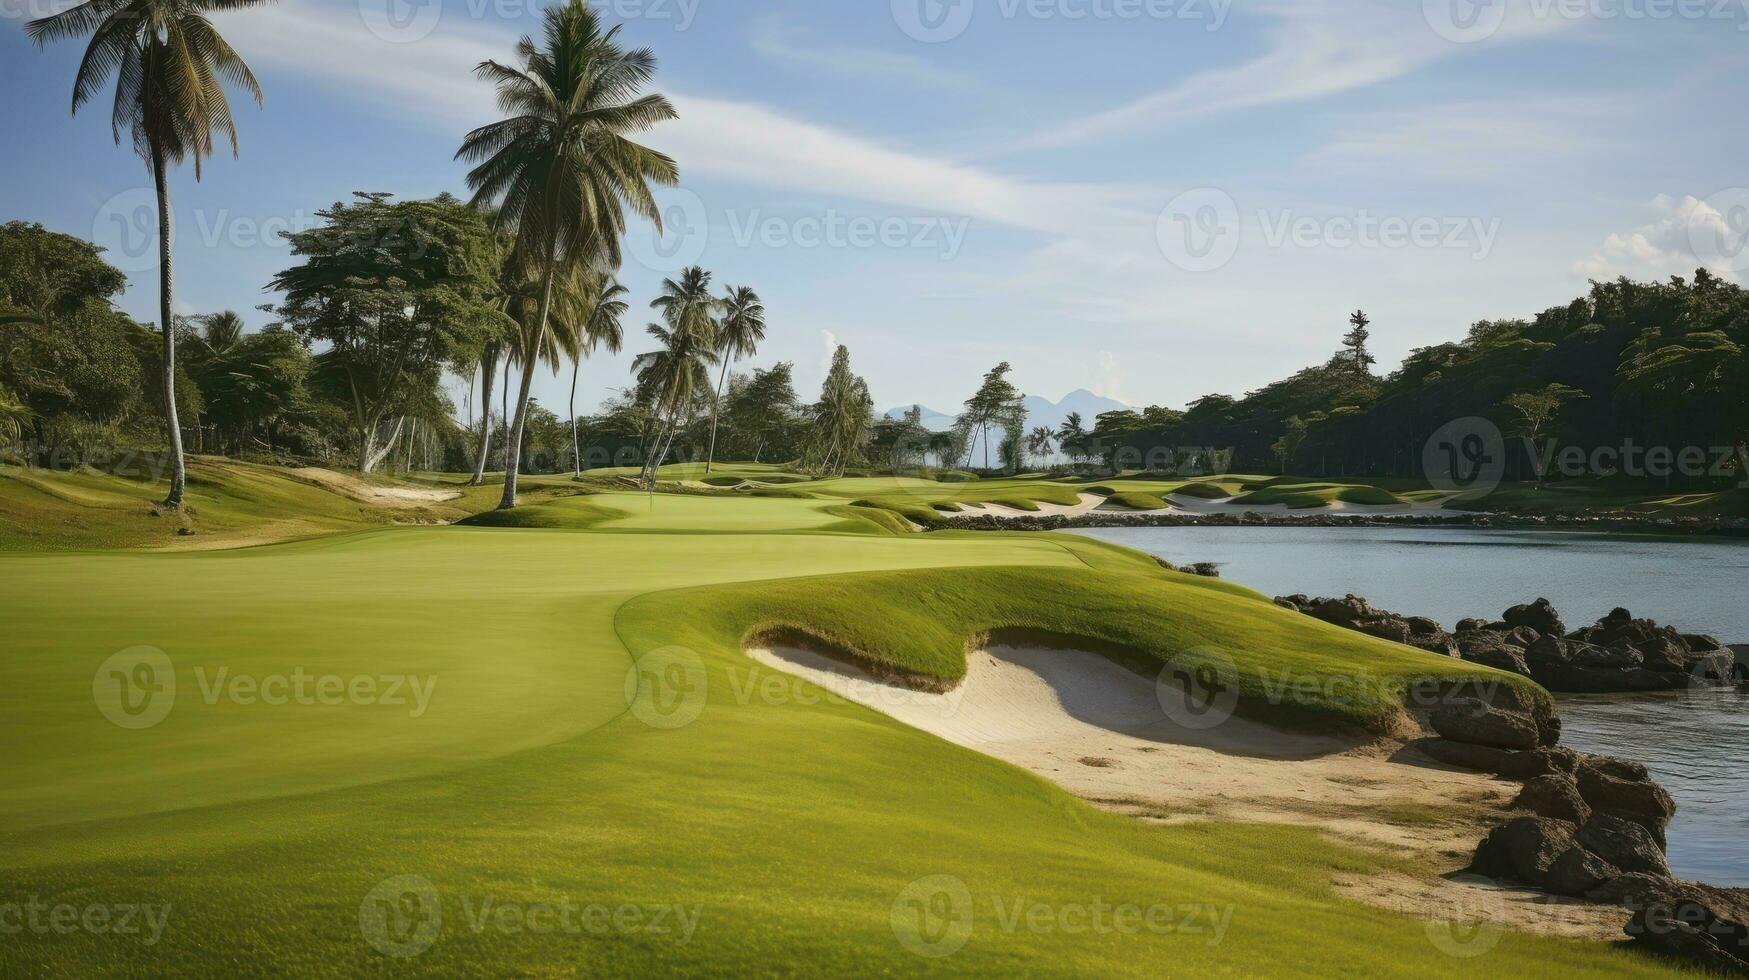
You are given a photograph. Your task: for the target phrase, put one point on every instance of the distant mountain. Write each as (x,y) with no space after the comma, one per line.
(1039,411)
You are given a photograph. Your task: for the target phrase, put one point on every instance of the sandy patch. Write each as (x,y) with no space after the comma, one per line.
(1097,729)
(365,491)
(1088,503)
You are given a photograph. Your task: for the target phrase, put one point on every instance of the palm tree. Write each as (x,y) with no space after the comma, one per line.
(672,375)
(219,332)
(594,321)
(560,166)
(687,304)
(168,61)
(13,417)
(1038,441)
(738,336)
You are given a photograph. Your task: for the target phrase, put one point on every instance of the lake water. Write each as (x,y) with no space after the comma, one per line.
(1693,743)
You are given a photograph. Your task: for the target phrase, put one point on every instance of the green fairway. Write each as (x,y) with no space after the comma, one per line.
(717,818)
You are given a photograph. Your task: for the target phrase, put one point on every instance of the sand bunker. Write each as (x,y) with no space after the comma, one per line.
(1097,729)
(364,491)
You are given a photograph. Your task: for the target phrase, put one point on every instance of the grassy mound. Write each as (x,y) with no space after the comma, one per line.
(1203,491)
(572,513)
(1137,500)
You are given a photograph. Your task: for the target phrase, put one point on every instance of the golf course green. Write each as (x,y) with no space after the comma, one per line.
(540,750)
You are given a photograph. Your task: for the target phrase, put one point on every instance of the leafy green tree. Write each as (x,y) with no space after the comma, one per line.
(763,413)
(394,289)
(842,421)
(738,335)
(252,384)
(1072,437)
(168,62)
(1671,373)
(560,167)
(996,404)
(1288,446)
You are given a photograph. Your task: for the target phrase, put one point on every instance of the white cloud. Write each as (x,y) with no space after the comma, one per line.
(1317,48)
(771,38)
(1469,141)
(742,141)
(1664,246)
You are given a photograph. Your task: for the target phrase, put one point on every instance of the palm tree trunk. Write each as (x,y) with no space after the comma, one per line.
(488,374)
(513,441)
(711,454)
(166,233)
(576,446)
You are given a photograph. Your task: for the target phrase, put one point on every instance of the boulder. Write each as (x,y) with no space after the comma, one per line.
(1422,626)
(1539,762)
(1343,612)
(1701,643)
(1578,872)
(1395,630)
(1698,923)
(1523,849)
(1522,637)
(1471,625)
(1440,643)
(1470,720)
(1539,615)
(1555,796)
(1625,790)
(1624,844)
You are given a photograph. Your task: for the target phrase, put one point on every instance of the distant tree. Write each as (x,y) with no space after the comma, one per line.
(1537,410)
(671,376)
(393,289)
(592,320)
(843,420)
(763,411)
(1040,441)
(1354,344)
(996,404)
(738,335)
(903,441)
(1669,373)
(1072,437)
(168,61)
(1289,444)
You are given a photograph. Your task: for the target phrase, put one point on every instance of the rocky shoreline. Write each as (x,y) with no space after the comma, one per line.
(1583,826)
(1727,526)
(1618,654)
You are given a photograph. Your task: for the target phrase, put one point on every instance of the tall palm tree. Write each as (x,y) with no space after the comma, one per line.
(168,61)
(738,335)
(673,375)
(560,166)
(1039,440)
(687,304)
(219,332)
(594,323)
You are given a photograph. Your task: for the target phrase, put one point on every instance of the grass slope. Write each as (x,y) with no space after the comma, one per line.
(793,825)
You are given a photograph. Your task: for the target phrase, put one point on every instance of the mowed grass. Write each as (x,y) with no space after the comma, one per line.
(791,825)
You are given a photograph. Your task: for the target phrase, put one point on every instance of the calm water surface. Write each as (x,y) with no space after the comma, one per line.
(1694,743)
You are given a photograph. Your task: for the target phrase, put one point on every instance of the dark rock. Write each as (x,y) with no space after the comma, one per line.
(1394,630)
(1578,872)
(1464,755)
(1439,642)
(1522,637)
(1701,643)
(1523,849)
(1539,762)
(1625,790)
(1489,649)
(1624,844)
(1554,796)
(1422,626)
(1471,625)
(1664,653)
(1585,656)
(1286,602)
(1470,720)
(1539,615)
(1631,890)
(1343,612)
(1704,925)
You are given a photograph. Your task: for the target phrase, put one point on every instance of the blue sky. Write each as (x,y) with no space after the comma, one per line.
(1152,199)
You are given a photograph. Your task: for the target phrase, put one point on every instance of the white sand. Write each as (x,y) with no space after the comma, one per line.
(374,493)
(1097,729)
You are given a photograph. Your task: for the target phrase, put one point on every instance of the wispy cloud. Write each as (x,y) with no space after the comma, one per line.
(742,141)
(1495,139)
(778,41)
(1315,49)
